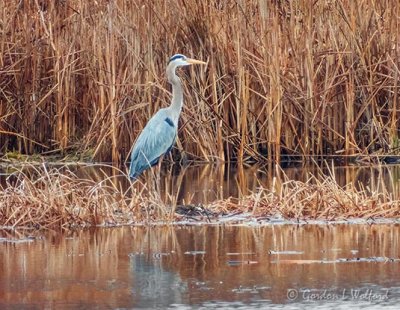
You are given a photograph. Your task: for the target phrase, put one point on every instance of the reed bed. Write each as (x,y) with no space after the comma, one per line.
(316,199)
(299,78)
(56,197)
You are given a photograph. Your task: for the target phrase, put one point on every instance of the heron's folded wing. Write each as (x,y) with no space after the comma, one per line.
(155,140)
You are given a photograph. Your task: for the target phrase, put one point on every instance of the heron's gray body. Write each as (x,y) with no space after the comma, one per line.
(156,139)
(158,136)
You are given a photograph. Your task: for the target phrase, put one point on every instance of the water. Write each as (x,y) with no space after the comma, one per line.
(203,184)
(278,266)
(202,266)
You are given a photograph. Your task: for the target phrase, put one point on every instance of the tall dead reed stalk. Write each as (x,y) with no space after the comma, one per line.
(284,77)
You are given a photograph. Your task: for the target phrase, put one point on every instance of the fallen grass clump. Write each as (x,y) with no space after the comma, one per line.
(319,198)
(49,198)
(57,197)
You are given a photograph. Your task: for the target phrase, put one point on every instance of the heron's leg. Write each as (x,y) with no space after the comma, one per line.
(158,175)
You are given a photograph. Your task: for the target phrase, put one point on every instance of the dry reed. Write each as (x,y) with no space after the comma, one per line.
(56,197)
(296,77)
(48,197)
(322,200)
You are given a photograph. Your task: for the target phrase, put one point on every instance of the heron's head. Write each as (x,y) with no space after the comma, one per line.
(179,60)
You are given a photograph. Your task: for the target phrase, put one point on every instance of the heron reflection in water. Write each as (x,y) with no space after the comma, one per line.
(158,136)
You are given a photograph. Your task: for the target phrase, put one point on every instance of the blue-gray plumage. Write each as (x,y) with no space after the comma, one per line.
(158,136)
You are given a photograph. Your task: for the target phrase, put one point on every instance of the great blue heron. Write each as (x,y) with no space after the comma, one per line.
(158,136)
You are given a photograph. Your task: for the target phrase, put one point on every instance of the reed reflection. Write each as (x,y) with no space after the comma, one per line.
(203,184)
(160,266)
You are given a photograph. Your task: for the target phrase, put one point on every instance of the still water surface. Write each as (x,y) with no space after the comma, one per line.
(210,266)
(204,184)
(281,266)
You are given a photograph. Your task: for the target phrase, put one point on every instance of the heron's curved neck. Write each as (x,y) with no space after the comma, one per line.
(177,92)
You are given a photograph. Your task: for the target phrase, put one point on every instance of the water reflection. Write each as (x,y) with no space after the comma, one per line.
(154,286)
(165,266)
(207,183)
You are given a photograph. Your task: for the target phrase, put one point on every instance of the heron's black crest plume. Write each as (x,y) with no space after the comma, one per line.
(176,56)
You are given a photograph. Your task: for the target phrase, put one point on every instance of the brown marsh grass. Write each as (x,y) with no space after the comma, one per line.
(56,197)
(318,198)
(43,197)
(298,77)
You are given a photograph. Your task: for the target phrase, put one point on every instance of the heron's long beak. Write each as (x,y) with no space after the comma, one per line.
(195,61)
